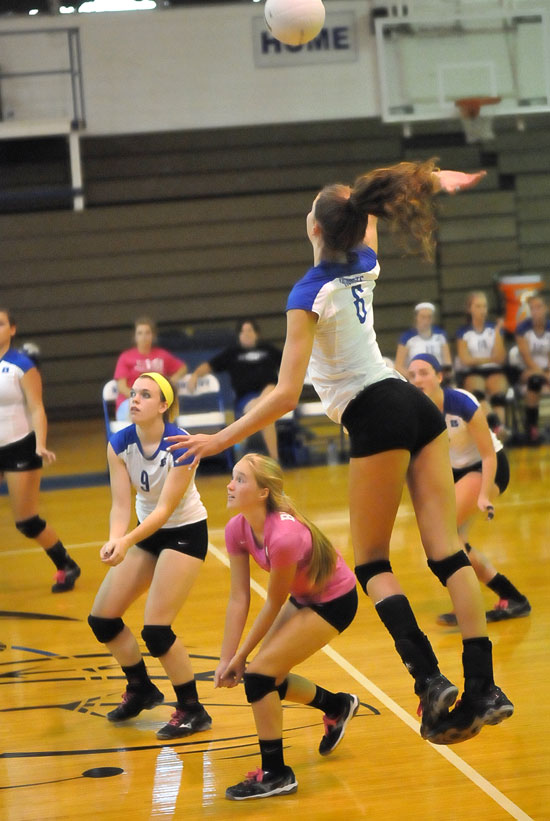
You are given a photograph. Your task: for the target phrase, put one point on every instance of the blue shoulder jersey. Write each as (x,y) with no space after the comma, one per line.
(480,344)
(539,344)
(415,343)
(14,421)
(345,356)
(458,408)
(148,474)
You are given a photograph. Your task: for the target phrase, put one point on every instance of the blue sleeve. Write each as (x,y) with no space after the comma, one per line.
(120,440)
(523,327)
(173,430)
(406,335)
(19,359)
(303,295)
(461,331)
(459,403)
(437,329)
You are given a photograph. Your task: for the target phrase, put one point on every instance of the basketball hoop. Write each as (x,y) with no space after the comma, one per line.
(476,127)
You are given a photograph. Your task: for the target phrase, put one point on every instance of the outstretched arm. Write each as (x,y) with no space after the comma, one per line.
(283,398)
(454,181)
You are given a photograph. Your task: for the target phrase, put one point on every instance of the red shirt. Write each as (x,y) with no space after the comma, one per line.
(132,363)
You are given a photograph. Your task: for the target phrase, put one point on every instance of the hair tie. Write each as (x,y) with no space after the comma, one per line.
(163,384)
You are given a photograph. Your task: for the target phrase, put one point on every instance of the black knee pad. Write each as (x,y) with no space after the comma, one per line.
(479,395)
(444,568)
(257,686)
(365,572)
(498,400)
(282,688)
(105,630)
(536,382)
(31,528)
(159,638)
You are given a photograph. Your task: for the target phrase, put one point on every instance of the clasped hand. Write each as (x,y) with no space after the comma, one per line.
(229,674)
(113,552)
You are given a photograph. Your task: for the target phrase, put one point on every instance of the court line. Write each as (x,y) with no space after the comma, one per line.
(489,789)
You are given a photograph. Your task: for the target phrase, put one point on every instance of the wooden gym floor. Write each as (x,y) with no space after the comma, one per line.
(61,759)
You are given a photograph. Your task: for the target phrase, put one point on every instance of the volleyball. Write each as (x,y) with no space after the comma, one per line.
(294,22)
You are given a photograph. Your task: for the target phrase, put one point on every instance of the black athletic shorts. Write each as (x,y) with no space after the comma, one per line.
(20,456)
(189,539)
(391,415)
(502,476)
(490,371)
(338,612)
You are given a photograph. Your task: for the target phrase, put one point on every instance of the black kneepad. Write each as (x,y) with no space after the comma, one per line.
(536,382)
(282,688)
(444,568)
(257,686)
(498,400)
(31,528)
(159,638)
(105,630)
(365,572)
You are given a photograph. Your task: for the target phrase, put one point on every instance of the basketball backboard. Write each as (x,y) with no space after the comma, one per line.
(428,61)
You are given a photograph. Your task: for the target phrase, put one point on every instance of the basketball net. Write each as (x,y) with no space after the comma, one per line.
(477,127)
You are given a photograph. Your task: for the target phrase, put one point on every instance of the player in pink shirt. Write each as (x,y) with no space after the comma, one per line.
(143,358)
(311,597)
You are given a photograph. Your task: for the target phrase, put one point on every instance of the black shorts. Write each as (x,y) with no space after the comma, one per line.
(189,539)
(391,415)
(20,456)
(502,476)
(490,371)
(338,612)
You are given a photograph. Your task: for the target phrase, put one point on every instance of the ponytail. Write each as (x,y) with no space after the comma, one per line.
(401,194)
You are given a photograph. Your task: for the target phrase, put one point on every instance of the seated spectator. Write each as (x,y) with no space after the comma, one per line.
(141,359)
(253,367)
(533,341)
(481,358)
(424,337)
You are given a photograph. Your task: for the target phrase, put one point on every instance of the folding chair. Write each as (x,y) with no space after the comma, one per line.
(203,411)
(109,395)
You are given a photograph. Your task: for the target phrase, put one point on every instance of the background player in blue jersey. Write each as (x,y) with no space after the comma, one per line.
(481,359)
(396,433)
(23,429)
(533,341)
(425,337)
(163,553)
(481,473)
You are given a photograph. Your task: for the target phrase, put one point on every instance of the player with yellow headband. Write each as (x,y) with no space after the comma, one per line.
(164,553)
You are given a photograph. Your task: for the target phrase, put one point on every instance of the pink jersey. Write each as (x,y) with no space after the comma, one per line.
(286,541)
(132,363)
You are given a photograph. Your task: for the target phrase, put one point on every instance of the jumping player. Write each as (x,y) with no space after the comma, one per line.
(163,553)
(23,430)
(304,565)
(396,433)
(481,473)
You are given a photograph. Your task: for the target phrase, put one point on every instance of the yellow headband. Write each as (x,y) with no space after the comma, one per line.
(163,384)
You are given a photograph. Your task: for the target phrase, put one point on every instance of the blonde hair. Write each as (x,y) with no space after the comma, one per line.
(269,475)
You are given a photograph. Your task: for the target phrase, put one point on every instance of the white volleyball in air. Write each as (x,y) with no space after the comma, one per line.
(294,22)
